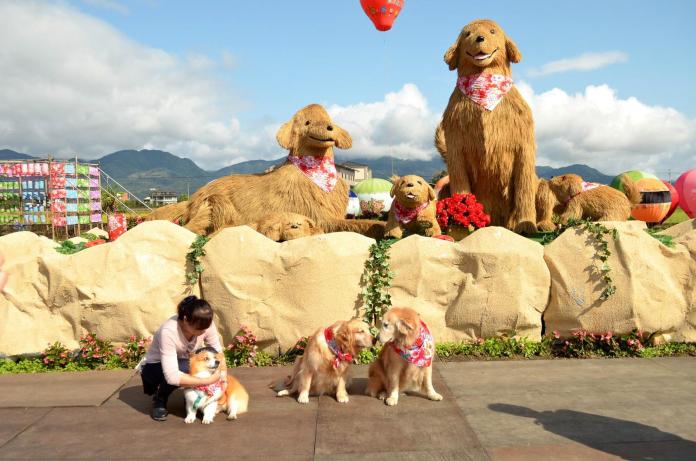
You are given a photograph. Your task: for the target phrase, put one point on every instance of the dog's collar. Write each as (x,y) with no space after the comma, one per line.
(321,172)
(339,355)
(585,187)
(406,215)
(422,351)
(206,391)
(486,90)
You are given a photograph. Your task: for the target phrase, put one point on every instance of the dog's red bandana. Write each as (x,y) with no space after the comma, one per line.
(585,187)
(486,90)
(406,215)
(422,351)
(322,171)
(339,356)
(210,389)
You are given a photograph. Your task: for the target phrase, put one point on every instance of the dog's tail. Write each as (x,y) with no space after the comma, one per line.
(440,143)
(631,190)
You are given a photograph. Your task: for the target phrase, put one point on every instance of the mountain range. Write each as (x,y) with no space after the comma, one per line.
(141,170)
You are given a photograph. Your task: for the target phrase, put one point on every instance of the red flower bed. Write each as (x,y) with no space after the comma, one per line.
(463,210)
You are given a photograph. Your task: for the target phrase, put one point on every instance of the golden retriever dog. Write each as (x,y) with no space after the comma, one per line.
(307,184)
(414,208)
(577,199)
(488,128)
(323,368)
(405,361)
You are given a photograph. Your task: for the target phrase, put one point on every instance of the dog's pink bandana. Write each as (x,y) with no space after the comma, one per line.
(486,90)
(406,215)
(321,171)
(422,351)
(340,356)
(585,187)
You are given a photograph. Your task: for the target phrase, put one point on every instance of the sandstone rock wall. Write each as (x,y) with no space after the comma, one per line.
(492,283)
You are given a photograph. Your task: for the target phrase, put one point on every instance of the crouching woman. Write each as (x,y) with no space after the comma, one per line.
(167,360)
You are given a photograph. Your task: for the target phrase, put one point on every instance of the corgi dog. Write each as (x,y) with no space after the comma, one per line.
(233,399)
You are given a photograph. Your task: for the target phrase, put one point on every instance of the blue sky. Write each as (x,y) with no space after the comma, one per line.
(289,53)
(212,80)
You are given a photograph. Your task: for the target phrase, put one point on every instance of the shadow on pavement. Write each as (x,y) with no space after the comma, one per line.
(603,433)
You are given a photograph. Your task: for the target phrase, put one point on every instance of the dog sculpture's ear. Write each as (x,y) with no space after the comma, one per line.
(284,135)
(313,229)
(512,52)
(273,231)
(431,193)
(395,181)
(452,54)
(573,184)
(342,138)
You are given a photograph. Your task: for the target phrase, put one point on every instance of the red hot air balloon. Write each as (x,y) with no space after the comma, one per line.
(686,186)
(382,12)
(675,199)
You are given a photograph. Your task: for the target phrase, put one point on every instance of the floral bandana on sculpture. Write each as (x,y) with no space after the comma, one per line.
(422,352)
(340,356)
(321,171)
(406,215)
(585,187)
(486,90)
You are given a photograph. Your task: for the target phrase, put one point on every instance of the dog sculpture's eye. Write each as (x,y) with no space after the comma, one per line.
(306,123)
(492,31)
(467,34)
(419,182)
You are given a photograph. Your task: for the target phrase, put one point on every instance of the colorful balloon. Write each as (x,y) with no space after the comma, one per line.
(655,197)
(675,198)
(686,187)
(383,13)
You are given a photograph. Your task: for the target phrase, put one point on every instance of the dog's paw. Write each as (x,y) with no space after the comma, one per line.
(382,395)
(283,393)
(525,227)
(231,417)
(303,398)
(342,398)
(190,419)
(435,396)
(391,401)
(207,420)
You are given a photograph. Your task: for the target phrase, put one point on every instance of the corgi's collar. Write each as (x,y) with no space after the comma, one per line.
(339,355)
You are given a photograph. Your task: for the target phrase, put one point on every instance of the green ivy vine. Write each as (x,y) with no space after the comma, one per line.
(193,256)
(376,281)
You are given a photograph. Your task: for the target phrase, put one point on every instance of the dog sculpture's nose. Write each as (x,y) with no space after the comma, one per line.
(409,184)
(295,226)
(330,128)
(479,39)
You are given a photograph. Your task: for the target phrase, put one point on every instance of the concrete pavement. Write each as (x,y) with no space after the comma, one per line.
(641,409)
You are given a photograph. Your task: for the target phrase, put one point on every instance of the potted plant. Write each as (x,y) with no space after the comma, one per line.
(460,215)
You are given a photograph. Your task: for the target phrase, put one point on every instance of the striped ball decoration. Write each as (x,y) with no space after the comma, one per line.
(655,196)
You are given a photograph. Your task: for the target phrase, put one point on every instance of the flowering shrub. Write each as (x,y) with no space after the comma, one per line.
(295,351)
(94,352)
(585,344)
(130,354)
(463,210)
(56,356)
(243,349)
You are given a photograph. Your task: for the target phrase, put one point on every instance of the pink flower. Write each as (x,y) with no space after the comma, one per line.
(132,338)
(63,354)
(555,334)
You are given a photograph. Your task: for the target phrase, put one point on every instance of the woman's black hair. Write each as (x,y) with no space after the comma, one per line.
(196,312)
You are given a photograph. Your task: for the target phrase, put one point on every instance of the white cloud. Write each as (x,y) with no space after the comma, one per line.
(402,125)
(584,62)
(112,5)
(599,129)
(71,84)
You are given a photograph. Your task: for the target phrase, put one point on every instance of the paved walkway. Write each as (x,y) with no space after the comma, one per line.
(642,409)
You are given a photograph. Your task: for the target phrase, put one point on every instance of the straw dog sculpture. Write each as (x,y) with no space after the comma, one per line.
(307,184)
(488,128)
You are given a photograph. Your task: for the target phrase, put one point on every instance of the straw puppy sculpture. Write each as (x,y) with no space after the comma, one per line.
(307,184)
(413,209)
(488,128)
